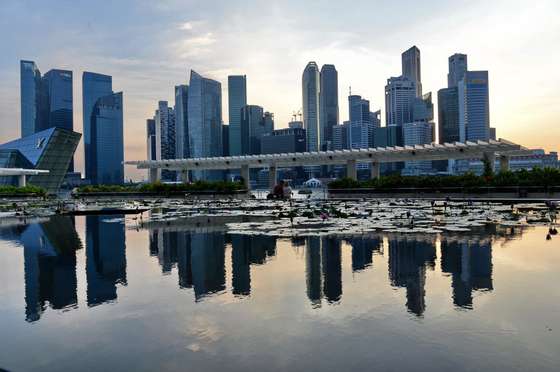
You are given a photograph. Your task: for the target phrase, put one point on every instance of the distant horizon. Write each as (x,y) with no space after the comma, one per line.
(156,45)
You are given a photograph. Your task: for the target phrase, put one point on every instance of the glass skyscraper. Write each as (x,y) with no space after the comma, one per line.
(181,122)
(255,123)
(448,115)
(399,100)
(457,69)
(328,104)
(107,144)
(46,101)
(411,68)
(205,121)
(237,99)
(151,144)
(474,106)
(311,113)
(165,137)
(94,86)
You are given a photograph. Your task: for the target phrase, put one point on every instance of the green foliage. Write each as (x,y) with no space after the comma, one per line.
(165,188)
(29,189)
(535,177)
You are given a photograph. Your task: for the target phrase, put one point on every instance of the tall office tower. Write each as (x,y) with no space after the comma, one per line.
(411,68)
(205,121)
(225,139)
(165,137)
(311,113)
(107,143)
(30,90)
(151,144)
(58,85)
(423,108)
(340,136)
(448,115)
(457,68)
(361,127)
(237,99)
(254,124)
(94,87)
(181,122)
(399,100)
(418,133)
(328,104)
(474,106)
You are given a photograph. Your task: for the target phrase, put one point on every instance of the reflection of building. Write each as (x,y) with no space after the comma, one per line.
(323,269)
(50,265)
(407,268)
(362,252)
(51,149)
(208,259)
(470,266)
(241,265)
(106,259)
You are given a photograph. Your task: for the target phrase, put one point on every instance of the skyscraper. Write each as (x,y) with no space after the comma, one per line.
(94,87)
(165,137)
(254,124)
(361,126)
(181,122)
(399,99)
(448,115)
(418,133)
(311,113)
(411,68)
(457,69)
(205,121)
(30,87)
(237,99)
(107,143)
(474,106)
(328,103)
(151,144)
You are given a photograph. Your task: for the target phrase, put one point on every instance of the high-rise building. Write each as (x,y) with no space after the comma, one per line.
(423,108)
(165,136)
(328,104)
(457,68)
(311,113)
(30,88)
(151,144)
(340,136)
(237,99)
(474,107)
(254,124)
(107,142)
(181,122)
(283,141)
(411,68)
(399,100)
(94,86)
(448,115)
(225,139)
(205,121)
(361,124)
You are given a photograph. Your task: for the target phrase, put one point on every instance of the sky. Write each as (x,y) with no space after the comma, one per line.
(149,46)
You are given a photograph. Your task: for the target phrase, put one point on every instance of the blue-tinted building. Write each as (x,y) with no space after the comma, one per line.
(474,106)
(328,103)
(254,124)
(165,137)
(448,115)
(205,121)
(181,122)
(311,111)
(107,143)
(237,99)
(51,149)
(94,86)
(30,87)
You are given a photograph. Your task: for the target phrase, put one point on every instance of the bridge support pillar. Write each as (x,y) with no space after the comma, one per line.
(490,157)
(154,175)
(375,171)
(22,181)
(272,175)
(351,171)
(245,176)
(504,163)
(184,176)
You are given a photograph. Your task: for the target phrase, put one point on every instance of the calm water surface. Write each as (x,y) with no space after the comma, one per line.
(94,293)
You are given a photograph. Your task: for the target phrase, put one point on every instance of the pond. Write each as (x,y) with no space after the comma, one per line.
(105,293)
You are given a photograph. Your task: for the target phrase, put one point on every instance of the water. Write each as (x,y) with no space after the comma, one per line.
(94,293)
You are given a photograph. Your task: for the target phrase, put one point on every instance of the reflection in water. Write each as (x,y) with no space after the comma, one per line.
(106,259)
(200,259)
(408,260)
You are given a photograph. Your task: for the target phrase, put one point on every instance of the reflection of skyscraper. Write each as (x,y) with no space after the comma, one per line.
(313,270)
(106,259)
(407,268)
(208,259)
(50,266)
(362,252)
(470,266)
(184,261)
(241,269)
(332,269)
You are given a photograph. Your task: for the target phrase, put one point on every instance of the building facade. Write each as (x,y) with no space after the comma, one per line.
(474,106)
(411,68)
(151,144)
(328,103)
(237,99)
(458,66)
(311,113)
(205,121)
(399,100)
(181,122)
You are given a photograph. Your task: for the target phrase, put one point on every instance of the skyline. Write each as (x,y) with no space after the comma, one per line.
(166,40)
